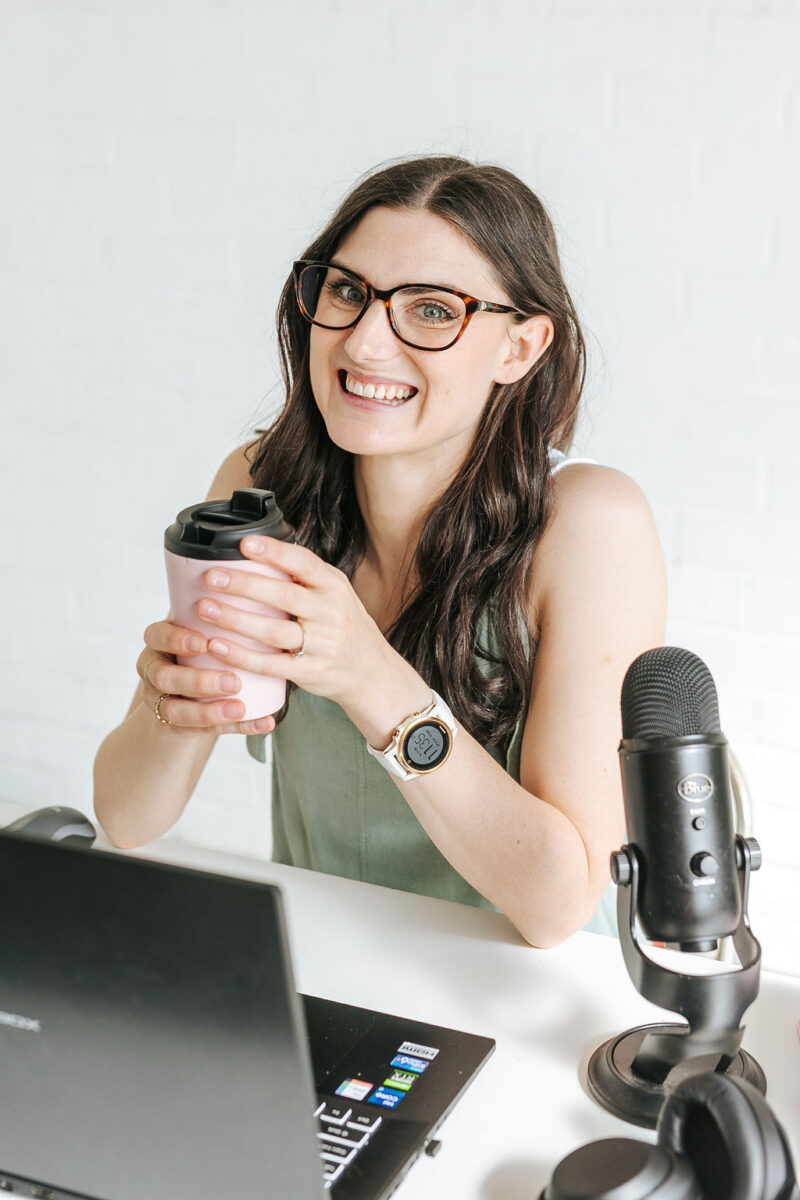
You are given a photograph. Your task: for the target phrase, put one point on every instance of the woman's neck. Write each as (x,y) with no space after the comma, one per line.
(395,497)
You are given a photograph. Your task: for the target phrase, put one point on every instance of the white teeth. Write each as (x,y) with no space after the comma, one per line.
(394,394)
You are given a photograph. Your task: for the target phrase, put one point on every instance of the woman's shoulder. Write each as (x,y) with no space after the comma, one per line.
(601,522)
(233,473)
(584,484)
(588,490)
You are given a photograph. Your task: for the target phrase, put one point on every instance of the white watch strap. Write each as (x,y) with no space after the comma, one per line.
(388,757)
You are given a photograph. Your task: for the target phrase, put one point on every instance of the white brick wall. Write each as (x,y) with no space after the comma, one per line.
(164,160)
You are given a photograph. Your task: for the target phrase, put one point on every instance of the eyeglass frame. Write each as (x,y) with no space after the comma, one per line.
(471,303)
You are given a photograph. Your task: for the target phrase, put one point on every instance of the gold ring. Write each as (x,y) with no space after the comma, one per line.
(300,651)
(157,709)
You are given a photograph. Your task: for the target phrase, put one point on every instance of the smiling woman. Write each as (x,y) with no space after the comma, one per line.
(467,598)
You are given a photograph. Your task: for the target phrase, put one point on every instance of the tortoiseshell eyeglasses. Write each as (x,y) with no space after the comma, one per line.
(422,315)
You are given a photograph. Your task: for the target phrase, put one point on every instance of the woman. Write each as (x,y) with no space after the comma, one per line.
(445,553)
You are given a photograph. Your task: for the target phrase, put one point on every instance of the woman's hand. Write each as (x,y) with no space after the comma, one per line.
(330,648)
(195,702)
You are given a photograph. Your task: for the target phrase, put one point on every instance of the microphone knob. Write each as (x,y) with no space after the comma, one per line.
(621,868)
(704,864)
(753,852)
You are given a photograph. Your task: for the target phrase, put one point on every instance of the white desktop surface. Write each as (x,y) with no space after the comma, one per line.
(466,968)
(547,1009)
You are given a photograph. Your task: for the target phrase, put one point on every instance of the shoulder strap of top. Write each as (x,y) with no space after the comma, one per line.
(559,459)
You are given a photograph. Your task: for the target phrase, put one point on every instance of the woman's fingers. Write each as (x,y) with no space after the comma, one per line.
(194,714)
(300,562)
(276,632)
(188,698)
(215,717)
(165,677)
(281,595)
(169,638)
(262,725)
(218,715)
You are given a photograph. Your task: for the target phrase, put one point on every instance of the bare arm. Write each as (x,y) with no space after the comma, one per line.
(145,771)
(539,850)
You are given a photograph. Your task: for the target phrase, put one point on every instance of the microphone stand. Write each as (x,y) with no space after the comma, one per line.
(631,1074)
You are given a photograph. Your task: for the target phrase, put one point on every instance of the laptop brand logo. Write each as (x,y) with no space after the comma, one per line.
(29,1024)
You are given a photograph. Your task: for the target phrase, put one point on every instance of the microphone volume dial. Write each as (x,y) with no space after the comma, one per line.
(704,864)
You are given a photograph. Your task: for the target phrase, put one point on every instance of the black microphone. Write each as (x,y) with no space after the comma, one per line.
(678,804)
(682,878)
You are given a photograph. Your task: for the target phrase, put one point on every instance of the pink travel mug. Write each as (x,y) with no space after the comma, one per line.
(207,535)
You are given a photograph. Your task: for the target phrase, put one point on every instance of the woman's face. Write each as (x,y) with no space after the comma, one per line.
(450,388)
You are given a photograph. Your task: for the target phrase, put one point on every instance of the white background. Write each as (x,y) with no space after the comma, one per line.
(163,162)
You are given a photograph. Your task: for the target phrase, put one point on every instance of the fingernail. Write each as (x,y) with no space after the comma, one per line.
(209,609)
(254,545)
(233,711)
(228,683)
(218,579)
(194,643)
(263,724)
(219,648)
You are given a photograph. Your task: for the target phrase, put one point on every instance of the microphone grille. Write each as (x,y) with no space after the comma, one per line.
(668,692)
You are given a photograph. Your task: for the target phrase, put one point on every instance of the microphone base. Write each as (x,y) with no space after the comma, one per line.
(638,1101)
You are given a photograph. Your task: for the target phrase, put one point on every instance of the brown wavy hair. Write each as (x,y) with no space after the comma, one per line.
(475,551)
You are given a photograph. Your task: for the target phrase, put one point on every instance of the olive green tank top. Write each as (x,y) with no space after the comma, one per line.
(336,809)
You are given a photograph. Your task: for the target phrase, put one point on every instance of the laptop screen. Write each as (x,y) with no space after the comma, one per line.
(151,1041)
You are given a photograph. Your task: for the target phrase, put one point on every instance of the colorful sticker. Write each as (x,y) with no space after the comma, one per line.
(386,1097)
(401,1079)
(428,1052)
(354,1089)
(407,1063)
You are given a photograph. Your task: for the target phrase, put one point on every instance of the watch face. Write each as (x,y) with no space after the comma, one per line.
(426,745)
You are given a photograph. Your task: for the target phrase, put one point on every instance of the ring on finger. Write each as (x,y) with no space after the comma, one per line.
(157,709)
(301,649)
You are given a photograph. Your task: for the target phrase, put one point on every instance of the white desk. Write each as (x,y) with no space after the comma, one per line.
(547,1009)
(466,968)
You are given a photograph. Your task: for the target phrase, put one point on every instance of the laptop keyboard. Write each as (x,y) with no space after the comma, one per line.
(343,1130)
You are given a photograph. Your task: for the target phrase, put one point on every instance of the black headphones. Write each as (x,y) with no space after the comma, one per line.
(717,1140)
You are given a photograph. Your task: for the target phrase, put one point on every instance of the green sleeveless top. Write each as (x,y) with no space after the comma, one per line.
(335,809)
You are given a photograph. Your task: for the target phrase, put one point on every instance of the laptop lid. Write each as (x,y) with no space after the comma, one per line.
(151,1040)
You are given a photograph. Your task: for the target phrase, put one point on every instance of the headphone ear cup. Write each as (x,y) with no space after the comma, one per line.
(622,1169)
(728,1133)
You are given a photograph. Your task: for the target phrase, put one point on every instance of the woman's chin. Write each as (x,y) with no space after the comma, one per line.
(359,437)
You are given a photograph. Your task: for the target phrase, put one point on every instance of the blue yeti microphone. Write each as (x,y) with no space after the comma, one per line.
(678,805)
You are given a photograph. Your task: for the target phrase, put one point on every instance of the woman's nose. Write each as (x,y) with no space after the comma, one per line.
(372,337)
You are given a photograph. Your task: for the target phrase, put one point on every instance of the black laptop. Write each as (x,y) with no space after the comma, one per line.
(153,1047)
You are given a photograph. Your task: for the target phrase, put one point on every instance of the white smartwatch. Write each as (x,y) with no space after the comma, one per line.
(421,743)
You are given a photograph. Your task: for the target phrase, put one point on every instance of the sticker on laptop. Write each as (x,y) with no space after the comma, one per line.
(402,1080)
(406,1063)
(428,1052)
(386,1097)
(354,1089)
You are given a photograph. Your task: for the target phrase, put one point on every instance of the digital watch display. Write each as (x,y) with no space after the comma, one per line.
(421,743)
(425,745)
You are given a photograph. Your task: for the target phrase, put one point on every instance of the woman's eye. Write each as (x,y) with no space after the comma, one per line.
(433,311)
(346,293)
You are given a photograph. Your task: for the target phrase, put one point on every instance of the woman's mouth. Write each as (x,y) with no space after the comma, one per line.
(390,395)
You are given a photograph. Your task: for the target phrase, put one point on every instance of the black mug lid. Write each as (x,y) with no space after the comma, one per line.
(214,528)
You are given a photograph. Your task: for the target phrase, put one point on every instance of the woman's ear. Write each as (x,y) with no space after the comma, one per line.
(527,343)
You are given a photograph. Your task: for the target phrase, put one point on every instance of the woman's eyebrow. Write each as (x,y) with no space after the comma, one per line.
(450,287)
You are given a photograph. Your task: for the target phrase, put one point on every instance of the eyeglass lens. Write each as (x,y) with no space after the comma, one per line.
(426,317)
